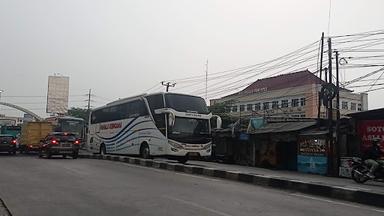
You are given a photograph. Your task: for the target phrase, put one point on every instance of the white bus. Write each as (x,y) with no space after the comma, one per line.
(163,124)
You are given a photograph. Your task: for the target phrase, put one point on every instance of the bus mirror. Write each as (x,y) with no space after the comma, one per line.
(218,121)
(171,119)
(159,111)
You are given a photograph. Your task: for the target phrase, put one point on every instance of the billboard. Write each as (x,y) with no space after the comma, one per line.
(369,129)
(57,96)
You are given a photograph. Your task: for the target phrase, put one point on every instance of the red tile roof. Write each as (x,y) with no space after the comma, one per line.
(283,81)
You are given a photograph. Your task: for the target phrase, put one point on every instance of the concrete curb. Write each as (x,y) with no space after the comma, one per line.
(4,211)
(341,193)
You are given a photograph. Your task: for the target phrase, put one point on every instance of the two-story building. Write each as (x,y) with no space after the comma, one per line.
(289,95)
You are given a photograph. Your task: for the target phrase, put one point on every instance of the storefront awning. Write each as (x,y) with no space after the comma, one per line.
(279,127)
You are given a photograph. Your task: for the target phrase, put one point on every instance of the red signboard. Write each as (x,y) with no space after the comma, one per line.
(369,129)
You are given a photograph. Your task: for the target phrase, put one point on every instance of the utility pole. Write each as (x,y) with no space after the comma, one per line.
(330,114)
(167,85)
(321,71)
(337,112)
(206,80)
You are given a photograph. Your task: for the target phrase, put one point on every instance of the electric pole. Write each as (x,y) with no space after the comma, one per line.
(167,85)
(331,164)
(206,80)
(337,112)
(321,71)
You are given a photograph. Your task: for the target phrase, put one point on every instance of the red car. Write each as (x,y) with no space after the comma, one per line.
(60,143)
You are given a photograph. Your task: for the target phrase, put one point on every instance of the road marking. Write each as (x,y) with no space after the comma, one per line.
(336,203)
(197,205)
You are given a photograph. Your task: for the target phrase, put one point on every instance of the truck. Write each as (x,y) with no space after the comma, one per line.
(10,129)
(31,135)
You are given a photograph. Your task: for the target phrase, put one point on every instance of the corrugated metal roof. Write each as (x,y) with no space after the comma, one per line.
(279,127)
(284,81)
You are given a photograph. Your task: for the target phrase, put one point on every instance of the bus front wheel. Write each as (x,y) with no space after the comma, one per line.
(144,151)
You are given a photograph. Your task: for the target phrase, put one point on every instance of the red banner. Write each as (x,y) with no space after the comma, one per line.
(369,129)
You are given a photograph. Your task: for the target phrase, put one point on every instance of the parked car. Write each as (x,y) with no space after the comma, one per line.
(8,143)
(60,143)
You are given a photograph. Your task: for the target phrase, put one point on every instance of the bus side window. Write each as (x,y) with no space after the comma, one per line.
(157,102)
(137,108)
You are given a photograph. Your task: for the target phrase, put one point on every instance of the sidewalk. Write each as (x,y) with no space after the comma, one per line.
(369,186)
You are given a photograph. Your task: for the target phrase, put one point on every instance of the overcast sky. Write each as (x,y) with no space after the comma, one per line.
(120,48)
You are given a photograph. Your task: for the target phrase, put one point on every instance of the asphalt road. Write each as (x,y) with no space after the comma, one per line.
(33,186)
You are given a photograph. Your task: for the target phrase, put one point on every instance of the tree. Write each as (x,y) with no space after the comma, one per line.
(79,113)
(221,109)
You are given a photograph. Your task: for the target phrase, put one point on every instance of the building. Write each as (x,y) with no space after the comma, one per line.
(289,95)
(10,120)
(58,93)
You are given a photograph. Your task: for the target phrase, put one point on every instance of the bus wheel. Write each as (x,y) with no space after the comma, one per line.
(102,149)
(144,151)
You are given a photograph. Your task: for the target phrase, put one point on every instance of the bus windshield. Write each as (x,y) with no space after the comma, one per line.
(70,125)
(186,103)
(189,130)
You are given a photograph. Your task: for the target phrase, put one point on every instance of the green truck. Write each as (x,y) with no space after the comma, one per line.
(10,130)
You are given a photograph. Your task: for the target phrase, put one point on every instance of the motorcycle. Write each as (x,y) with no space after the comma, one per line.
(360,170)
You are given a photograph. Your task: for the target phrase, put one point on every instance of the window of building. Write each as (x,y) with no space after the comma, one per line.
(265,105)
(302,101)
(234,109)
(284,103)
(275,104)
(353,106)
(249,107)
(302,115)
(344,105)
(257,107)
(295,102)
(359,107)
(242,107)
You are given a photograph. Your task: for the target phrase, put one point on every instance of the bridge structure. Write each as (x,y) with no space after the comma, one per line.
(22,109)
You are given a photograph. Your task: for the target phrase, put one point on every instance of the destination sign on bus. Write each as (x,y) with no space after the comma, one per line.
(111,126)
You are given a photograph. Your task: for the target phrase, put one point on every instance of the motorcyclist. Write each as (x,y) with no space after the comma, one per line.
(376,157)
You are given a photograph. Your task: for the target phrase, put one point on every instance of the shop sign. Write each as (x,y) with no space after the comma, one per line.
(312,157)
(369,129)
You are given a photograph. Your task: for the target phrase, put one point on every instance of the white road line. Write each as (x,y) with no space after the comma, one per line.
(336,203)
(197,206)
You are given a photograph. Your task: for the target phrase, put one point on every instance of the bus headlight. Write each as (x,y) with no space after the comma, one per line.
(207,146)
(175,144)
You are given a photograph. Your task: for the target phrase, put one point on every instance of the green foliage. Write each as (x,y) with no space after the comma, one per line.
(220,109)
(79,113)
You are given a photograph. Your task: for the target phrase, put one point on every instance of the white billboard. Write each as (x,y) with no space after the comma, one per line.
(57,96)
